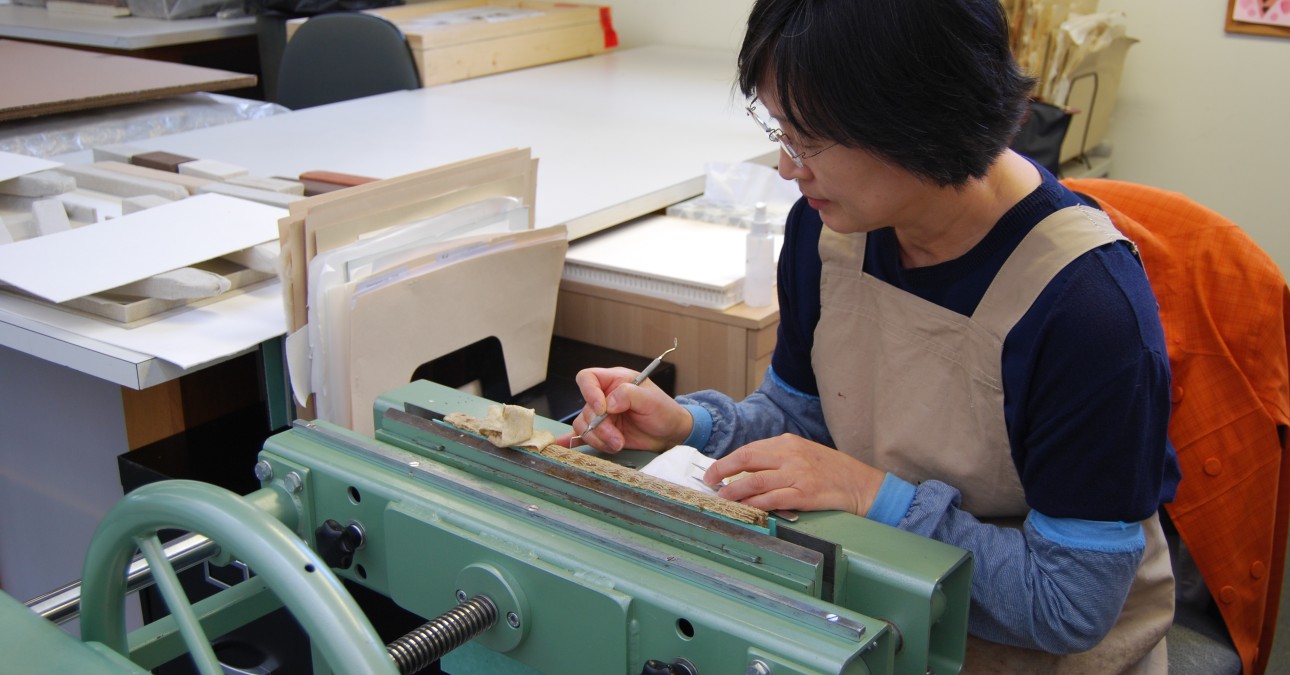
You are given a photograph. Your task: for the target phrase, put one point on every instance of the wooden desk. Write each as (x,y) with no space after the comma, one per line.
(56,79)
(210,42)
(724,350)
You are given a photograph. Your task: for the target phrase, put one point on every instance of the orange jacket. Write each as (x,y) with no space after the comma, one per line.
(1225,307)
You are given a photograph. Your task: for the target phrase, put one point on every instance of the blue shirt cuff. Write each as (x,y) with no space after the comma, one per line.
(892,501)
(701,432)
(1090,535)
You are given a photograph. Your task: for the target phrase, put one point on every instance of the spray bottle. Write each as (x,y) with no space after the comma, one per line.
(759,277)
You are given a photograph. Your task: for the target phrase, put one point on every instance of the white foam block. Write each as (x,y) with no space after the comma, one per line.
(88,206)
(136,204)
(189,183)
(88,260)
(289,187)
(185,283)
(117,152)
(261,258)
(51,217)
(211,168)
(262,196)
(120,184)
(39,184)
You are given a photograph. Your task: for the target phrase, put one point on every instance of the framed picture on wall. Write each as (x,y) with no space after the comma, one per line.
(1259,17)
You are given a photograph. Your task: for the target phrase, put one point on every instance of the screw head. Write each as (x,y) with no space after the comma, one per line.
(293,482)
(461,595)
(263,471)
(513,619)
(757,667)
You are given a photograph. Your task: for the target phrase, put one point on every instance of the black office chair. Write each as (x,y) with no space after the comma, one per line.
(337,57)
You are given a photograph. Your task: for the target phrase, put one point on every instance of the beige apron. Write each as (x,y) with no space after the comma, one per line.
(916,389)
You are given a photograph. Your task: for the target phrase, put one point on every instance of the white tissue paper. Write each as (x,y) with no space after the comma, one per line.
(682,465)
(731,193)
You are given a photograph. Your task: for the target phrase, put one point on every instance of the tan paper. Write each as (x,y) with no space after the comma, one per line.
(508,293)
(341,217)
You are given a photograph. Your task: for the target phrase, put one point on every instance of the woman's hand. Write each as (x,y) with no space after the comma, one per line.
(641,417)
(791,473)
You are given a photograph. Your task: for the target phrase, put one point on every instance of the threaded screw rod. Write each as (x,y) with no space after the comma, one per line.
(430,641)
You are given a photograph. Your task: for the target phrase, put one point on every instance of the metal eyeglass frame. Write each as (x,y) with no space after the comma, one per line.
(777,136)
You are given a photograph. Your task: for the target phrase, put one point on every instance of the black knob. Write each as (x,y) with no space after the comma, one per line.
(336,544)
(656,667)
(677,667)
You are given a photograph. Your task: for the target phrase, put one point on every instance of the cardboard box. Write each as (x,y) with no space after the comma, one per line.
(455,40)
(1094,88)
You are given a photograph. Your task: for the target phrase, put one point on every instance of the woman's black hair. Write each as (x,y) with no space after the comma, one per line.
(930,85)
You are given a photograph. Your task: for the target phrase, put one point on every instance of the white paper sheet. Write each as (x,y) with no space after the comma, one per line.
(98,257)
(13,165)
(187,338)
(682,465)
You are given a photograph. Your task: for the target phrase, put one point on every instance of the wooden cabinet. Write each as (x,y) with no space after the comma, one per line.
(724,350)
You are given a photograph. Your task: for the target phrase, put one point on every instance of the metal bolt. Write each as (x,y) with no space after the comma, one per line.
(832,618)
(513,619)
(757,667)
(293,482)
(533,508)
(461,595)
(263,471)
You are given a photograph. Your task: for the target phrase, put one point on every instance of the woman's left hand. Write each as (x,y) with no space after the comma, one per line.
(791,473)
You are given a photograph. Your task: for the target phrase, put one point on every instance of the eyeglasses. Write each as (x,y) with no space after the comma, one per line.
(777,136)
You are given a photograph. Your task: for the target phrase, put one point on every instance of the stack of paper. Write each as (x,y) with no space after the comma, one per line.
(686,261)
(382,278)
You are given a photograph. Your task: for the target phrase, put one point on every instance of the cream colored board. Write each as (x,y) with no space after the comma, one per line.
(399,327)
(372,206)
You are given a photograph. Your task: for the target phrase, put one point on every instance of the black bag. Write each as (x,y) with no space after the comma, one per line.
(297,8)
(1042,133)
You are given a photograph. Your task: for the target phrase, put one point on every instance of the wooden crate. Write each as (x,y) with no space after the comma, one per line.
(450,52)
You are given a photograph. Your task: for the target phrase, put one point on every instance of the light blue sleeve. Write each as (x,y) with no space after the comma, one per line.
(722,425)
(1055,584)
(892,501)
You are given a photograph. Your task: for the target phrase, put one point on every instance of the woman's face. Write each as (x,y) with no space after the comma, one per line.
(853,189)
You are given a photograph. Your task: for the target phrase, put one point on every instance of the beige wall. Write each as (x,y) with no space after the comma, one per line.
(1207,113)
(690,23)
(1200,111)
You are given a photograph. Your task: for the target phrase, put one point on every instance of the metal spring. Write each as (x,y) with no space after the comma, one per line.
(450,630)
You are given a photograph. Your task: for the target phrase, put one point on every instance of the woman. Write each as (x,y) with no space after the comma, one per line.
(966,350)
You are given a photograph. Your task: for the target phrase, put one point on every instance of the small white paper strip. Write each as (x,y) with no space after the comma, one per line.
(13,165)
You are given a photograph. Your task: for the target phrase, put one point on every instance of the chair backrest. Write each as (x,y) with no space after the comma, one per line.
(337,57)
(1225,309)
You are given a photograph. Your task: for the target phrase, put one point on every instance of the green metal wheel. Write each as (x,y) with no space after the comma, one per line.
(338,628)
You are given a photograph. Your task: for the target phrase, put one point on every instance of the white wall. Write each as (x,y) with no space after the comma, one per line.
(688,23)
(1200,111)
(1207,113)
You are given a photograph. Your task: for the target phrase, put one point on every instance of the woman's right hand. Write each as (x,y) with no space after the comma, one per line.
(641,417)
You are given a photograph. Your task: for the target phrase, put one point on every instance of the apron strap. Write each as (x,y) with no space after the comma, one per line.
(1052,245)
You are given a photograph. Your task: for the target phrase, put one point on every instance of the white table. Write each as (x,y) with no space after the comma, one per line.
(617,136)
